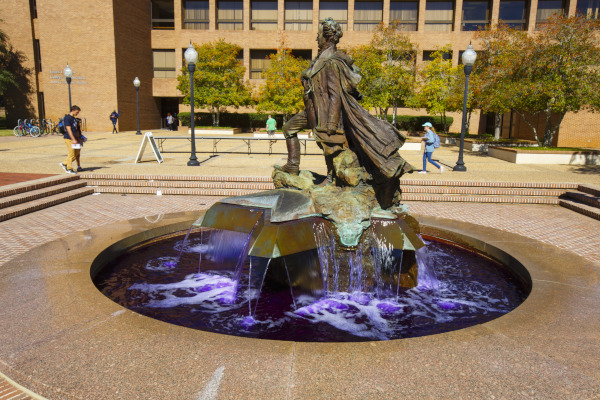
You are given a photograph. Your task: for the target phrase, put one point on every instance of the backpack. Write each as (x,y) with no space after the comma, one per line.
(61,125)
(436,140)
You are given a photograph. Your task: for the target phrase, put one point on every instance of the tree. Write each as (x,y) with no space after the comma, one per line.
(282,91)
(549,74)
(490,78)
(6,77)
(440,89)
(388,69)
(15,82)
(218,79)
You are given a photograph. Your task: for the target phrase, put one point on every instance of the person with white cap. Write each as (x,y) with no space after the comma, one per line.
(432,141)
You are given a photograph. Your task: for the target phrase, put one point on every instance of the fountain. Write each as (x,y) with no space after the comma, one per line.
(320,258)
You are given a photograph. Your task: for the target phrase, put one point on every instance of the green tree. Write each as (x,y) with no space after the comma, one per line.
(440,90)
(282,91)
(549,74)
(6,77)
(218,79)
(388,69)
(490,78)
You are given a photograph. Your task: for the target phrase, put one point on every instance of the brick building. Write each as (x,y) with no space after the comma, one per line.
(108,43)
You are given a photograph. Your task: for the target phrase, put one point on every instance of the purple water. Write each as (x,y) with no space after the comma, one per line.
(472,289)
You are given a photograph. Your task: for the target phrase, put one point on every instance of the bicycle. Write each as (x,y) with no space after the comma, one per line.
(49,127)
(26,128)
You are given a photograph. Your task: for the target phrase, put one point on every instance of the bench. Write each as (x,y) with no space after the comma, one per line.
(216,139)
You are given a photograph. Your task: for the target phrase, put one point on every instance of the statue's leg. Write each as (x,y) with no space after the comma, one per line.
(290,131)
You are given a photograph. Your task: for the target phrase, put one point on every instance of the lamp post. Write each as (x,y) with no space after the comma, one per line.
(68,72)
(468,59)
(191,57)
(136,83)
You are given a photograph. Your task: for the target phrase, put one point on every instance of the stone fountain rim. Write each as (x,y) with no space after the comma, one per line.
(61,266)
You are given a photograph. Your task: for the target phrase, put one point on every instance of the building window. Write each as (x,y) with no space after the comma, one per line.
(33,8)
(428,55)
(588,8)
(195,15)
(230,15)
(303,54)
(41,106)
(367,15)
(263,15)
(164,63)
(298,15)
(405,13)
(514,14)
(546,9)
(475,15)
(163,14)
(259,62)
(439,16)
(37,54)
(338,10)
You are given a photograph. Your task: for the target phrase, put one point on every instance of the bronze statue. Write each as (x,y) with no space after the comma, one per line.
(337,119)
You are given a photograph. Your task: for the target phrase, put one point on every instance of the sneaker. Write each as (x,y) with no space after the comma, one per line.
(70,171)
(63,166)
(441,169)
(422,172)
(79,169)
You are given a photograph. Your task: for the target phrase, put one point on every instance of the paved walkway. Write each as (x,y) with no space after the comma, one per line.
(106,153)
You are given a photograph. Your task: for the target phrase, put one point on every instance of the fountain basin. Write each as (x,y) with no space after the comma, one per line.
(82,337)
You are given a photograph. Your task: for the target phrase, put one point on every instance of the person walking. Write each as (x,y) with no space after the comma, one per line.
(271,126)
(429,140)
(72,138)
(114,117)
(170,121)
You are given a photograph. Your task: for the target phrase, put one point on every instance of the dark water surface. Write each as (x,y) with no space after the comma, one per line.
(199,293)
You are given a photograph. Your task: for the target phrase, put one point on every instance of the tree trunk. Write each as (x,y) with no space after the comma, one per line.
(214,116)
(550,128)
(535,135)
(218,116)
(444,122)
(395,115)
(497,122)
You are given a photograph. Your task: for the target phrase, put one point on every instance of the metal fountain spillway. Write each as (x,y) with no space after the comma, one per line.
(281,223)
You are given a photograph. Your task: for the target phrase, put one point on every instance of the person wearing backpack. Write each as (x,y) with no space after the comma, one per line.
(432,141)
(114,117)
(72,137)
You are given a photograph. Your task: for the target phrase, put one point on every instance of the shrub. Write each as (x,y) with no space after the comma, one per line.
(245,121)
(412,123)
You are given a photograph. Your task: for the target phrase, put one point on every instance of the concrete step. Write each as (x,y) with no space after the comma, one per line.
(580,208)
(16,188)
(589,189)
(584,198)
(170,178)
(483,191)
(529,185)
(45,202)
(180,184)
(173,191)
(479,199)
(31,195)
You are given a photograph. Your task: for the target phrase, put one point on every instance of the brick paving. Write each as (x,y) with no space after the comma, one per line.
(8,178)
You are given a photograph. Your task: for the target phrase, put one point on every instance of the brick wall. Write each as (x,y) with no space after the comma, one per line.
(80,33)
(133,55)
